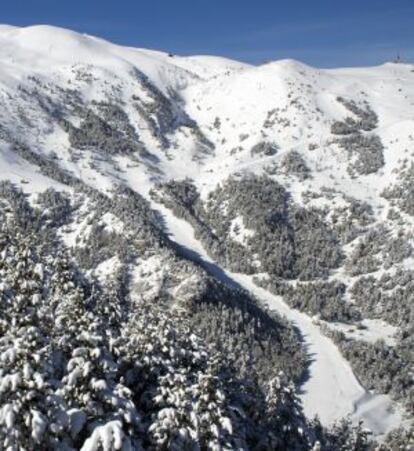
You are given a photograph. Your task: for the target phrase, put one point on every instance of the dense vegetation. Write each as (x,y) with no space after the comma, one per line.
(86,365)
(288,241)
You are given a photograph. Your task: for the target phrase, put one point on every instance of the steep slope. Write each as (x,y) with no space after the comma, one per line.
(331,390)
(219,182)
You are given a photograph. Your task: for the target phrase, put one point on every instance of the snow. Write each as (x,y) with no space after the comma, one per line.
(106,268)
(371,331)
(80,232)
(39,425)
(207,66)
(36,47)
(112,223)
(148,277)
(10,382)
(108,437)
(7,415)
(238,231)
(24,174)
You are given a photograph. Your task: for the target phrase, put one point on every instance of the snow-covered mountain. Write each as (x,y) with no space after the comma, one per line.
(272,204)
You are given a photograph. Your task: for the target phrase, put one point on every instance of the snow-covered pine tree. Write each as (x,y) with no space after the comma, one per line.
(27,404)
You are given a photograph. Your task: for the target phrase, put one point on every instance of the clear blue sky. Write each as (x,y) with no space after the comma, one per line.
(320,32)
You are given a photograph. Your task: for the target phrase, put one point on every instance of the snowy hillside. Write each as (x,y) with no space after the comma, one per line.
(260,217)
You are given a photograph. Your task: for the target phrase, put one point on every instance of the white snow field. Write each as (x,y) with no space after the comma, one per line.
(234,106)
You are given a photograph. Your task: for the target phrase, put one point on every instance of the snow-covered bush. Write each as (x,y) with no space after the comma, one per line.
(56,206)
(264,148)
(293,163)
(351,221)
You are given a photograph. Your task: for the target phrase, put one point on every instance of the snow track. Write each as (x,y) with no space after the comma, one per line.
(331,390)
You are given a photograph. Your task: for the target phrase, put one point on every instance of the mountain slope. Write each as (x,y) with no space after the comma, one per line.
(208,182)
(331,391)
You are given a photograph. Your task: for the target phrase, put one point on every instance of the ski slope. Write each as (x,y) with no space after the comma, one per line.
(332,391)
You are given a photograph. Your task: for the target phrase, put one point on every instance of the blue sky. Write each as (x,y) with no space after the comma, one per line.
(324,33)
